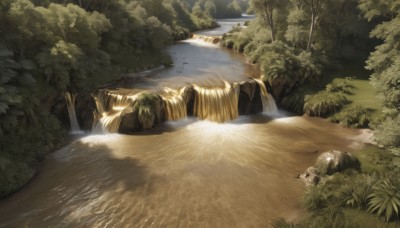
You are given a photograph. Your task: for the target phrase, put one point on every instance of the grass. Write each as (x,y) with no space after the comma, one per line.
(363,94)
(364,219)
(373,159)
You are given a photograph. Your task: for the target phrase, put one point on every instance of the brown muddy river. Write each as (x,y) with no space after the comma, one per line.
(186,173)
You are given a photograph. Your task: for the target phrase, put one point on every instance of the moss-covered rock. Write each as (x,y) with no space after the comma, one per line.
(310,176)
(329,163)
(146,113)
(334,161)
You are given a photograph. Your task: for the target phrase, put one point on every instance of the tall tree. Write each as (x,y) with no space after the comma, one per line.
(316,9)
(385,60)
(266,10)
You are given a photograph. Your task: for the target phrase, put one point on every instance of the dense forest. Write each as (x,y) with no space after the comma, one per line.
(219,8)
(51,50)
(55,51)
(298,43)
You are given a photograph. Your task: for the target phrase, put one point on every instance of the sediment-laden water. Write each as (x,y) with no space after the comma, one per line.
(186,173)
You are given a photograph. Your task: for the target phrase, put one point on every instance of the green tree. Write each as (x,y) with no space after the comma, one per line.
(315,9)
(210,8)
(266,10)
(385,60)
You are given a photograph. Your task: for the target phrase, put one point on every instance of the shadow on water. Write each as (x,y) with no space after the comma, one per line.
(79,188)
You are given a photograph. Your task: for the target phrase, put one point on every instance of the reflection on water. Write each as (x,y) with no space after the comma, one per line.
(186,174)
(199,62)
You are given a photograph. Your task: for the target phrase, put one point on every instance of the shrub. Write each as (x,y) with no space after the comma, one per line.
(356,116)
(282,223)
(355,193)
(388,133)
(294,102)
(385,200)
(13,175)
(316,197)
(343,86)
(324,103)
(148,107)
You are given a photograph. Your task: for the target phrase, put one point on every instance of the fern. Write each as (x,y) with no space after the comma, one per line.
(385,200)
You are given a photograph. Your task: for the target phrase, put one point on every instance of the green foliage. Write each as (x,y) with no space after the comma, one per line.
(324,103)
(388,133)
(51,47)
(343,86)
(281,223)
(148,108)
(356,116)
(355,193)
(385,199)
(295,101)
(219,8)
(385,60)
(13,174)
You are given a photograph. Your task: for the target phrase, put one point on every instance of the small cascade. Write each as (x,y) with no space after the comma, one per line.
(268,102)
(110,108)
(217,104)
(71,99)
(129,110)
(208,39)
(175,104)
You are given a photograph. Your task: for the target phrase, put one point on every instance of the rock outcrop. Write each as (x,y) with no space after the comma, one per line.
(329,163)
(146,113)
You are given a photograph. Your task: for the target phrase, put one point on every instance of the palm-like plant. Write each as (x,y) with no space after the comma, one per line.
(356,194)
(385,199)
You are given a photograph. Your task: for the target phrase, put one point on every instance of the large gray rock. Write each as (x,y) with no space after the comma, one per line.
(329,163)
(334,161)
(310,176)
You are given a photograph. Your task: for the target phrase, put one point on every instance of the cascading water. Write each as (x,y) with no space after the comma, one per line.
(195,174)
(175,104)
(110,108)
(208,39)
(217,104)
(71,99)
(268,102)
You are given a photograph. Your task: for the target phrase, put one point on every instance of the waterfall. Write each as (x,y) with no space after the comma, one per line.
(110,108)
(208,39)
(217,104)
(70,100)
(268,102)
(175,104)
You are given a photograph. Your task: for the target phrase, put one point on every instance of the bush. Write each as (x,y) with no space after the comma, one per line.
(343,86)
(13,175)
(388,133)
(149,108)
(356,116)
(355,193)
(324,103)
(294,102)
(281,223)
(385,200)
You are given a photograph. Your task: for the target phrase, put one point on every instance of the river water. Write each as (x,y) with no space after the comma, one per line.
(186,173)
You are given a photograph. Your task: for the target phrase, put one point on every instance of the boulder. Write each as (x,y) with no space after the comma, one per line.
(334,161)
(147,112)
(249,98)
(310,176)
(329,163)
